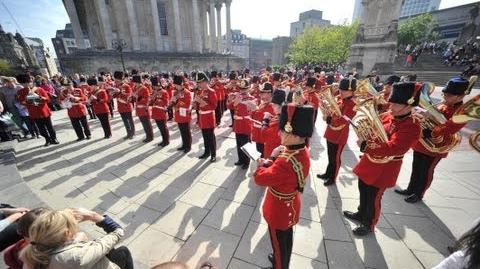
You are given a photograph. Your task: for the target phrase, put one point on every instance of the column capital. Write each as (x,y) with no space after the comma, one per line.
(218,5)
(228,3)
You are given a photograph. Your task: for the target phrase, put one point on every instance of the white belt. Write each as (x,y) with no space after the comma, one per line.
(141,106)
(122,101)
(203,112)
(242,118)
(160,107)
(256,125)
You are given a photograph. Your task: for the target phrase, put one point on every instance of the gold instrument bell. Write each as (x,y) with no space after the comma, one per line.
(328,104)
(468,112)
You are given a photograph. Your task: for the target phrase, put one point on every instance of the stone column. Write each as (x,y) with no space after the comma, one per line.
(104,19)
(203,11)
(156,26)
(218,6)
(77,30)
(197,38)
(211,15)
(178,31)
(229,26)
(133,25)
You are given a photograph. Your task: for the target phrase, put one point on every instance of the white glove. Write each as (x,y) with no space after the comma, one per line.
(277,151)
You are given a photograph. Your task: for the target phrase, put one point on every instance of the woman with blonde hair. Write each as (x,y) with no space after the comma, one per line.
(56,243)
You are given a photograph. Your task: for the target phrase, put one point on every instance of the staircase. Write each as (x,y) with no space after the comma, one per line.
(429,68)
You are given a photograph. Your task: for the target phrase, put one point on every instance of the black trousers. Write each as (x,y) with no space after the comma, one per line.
(162,126)
(334,159)
(147,127)
(224,102)
(111,106)
(282,242)
(170,113)
(105,122)
(186,135)
(370,203)
(232,114)
(260,148)
(45,128)
(121,257)
(423,167)
(31,126)
(128,122)
(90,112)
(242,139)
(315,114)
(9,236)
(80,125)
(209,142)
(219,112)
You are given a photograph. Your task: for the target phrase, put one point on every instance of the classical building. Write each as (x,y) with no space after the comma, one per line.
(240,45)
(142,29)
(260,53)
(15,50)
(43,56)
(409,7)
(280,49)
(307,19)
(64,41)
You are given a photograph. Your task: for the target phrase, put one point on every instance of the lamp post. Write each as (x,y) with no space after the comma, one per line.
(118,45)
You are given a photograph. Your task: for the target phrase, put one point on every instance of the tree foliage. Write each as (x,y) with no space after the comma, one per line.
(5,68)
(417,29)
(329,45)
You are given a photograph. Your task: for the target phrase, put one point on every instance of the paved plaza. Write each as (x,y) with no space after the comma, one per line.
(177,207)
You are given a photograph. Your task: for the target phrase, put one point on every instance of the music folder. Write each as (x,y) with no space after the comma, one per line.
(251,151)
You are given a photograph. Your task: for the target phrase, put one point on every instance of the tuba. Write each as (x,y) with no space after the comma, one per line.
(328,104)
(467,112)
(436,118)
(367,123)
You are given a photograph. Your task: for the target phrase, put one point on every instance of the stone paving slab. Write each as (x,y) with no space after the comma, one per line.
(175,206)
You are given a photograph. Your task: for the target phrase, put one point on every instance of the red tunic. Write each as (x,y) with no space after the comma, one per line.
(280,177)
(312,99)
(271,137)
(219,90)
(38,110)
(87,90)
(100,104)
(242,122)
(207,111)
(78,108)
(402,134)
(258,115)
(182,108)
(159,105)
(320,83)
(143,98)
(446,130)
(337,130)
(231,91)
(123,98)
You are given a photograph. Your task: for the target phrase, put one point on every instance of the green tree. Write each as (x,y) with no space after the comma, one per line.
(327,45)
(5,68)
(417,29)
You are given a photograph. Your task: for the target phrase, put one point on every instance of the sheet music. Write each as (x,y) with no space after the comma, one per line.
(251,150)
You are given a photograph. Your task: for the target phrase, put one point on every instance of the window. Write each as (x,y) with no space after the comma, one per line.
(162,17)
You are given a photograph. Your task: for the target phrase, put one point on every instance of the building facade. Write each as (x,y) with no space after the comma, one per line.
(240,45)
(307,19)
(409,7)
(280,47)
(64,41)
(15,50)
(260,53)
(43,56)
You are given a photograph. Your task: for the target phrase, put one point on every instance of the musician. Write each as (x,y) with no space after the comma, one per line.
(270,123)
(387,90)
(99,101)
(321,79)
(277,82)
(380,164)
(220,92)
(87,91)
(424,160)
(311,95)
(159,102)
(231,89)
(102,83)
(181,102)
(206,100)
(284,175)
(77,111)
(258,115)
(244,103)
(36,100)
(142,109)
(255,87)
(124,104)
(337,130)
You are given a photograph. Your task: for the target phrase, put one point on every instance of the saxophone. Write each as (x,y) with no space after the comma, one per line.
(366,123)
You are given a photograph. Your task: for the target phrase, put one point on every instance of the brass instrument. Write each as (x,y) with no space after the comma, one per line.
(467,112)
(328,105)
(435,118)
(474,140)
(367,123)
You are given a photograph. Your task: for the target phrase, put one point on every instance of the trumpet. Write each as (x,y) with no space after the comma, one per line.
(328,104)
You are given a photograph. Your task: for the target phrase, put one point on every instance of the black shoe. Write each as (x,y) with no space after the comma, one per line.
(329,182)
(361,230)
(213,159)
(38,136)
(126,137)
(203,156)
(130,137)
(54,141)
(245,166)
(80,139)
(238,163)
(107,136)
(147,140)
(186,150)
(403,192)
(47,143)
(355,216)
(181,148)
(322,176)
(451,249)
(88,137)
(413,199)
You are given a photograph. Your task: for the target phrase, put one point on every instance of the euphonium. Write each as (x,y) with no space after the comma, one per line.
(467,112)
(367,123)
(328,104)
(435,118)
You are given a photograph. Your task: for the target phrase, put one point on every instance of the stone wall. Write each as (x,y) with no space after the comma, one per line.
(94,62)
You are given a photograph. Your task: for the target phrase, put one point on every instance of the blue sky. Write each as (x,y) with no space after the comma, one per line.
(42,18)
